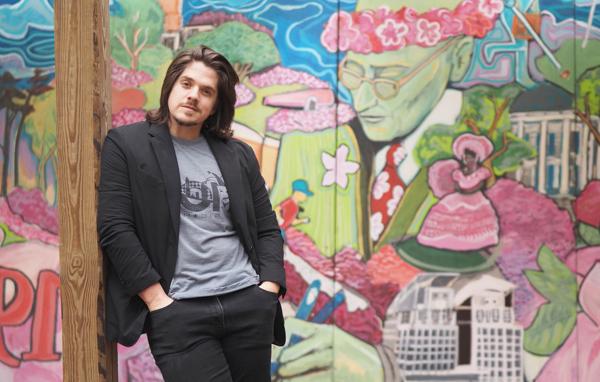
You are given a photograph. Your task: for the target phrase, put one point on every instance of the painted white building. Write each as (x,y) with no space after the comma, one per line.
(421,329)
(496,340)
(436,331)
(567,154)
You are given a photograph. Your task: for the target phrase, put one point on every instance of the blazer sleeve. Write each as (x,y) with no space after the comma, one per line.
(116,224)
(269,245)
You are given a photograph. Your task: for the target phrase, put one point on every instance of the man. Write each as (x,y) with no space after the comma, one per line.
(196,255)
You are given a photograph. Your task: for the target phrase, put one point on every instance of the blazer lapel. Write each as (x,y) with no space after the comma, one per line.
(167,160)
(232,176)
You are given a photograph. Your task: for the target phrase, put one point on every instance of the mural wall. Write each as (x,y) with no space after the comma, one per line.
(30,325)
(435,168)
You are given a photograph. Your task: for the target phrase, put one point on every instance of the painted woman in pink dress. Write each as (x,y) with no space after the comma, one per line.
(463,219)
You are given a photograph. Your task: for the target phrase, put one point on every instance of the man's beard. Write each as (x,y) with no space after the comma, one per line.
(185,123)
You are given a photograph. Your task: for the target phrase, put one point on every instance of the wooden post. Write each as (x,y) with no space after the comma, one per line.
(83,118)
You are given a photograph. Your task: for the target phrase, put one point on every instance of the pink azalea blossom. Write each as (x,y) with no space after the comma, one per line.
(279,75)
(127,117)
(524,215)
(323,117)
(123,78)
(32,207)
(243,95)
(587,204)
(27,230)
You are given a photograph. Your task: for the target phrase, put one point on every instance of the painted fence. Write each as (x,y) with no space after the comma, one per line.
(436,174)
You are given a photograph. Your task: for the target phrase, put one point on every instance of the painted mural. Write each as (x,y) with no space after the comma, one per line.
(30,325)
(434,166)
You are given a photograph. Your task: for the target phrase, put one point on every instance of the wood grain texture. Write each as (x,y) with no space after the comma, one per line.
(83,118)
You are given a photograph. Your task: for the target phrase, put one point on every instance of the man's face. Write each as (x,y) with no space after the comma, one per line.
(194,95)
(415,78)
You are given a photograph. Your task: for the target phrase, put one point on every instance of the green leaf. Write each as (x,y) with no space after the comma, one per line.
(560,275)
(551,327)
(542,283)
(555,320)
(589,234)
(9,236)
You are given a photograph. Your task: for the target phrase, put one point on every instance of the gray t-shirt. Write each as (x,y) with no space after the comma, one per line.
(210,258)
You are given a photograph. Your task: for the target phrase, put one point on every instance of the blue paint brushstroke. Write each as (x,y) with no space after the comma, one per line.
(36,48)
(17,19)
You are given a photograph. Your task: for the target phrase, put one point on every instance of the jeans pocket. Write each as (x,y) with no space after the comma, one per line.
(159,311)
(266,292)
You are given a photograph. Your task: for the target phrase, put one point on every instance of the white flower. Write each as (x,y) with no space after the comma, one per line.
(381,185)
(490,8)
(337,168)
(397,193)
(399,155)
(376,225)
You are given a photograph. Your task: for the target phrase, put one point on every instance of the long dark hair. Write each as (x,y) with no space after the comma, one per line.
(218,124)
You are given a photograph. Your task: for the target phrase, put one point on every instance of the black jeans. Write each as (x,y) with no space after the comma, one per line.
(216,338)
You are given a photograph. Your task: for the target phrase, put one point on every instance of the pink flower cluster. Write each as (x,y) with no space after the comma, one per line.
(380,30)
(32,207)
(128,116)
(123,78)
(524,215)
(278,75)
(27,230)
(243,95)
(287,120)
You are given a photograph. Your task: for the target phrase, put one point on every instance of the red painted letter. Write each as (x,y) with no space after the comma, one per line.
(43,333)
(15,312)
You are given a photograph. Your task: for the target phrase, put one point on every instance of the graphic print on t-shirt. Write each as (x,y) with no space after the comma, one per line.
(204,197)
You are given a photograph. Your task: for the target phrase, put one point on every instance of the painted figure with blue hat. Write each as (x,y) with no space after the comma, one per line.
(288,210)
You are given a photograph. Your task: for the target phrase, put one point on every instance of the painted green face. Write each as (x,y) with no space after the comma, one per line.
(393,92)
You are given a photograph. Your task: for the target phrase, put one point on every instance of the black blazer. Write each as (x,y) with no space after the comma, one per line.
(138,219)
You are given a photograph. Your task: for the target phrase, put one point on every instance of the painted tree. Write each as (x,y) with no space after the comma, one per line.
(136,27)
(11,99)
(248,50)
(485,111)
(37,86)
(588,99)
(41,127)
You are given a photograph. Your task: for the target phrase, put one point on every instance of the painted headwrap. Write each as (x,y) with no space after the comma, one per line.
(380,30)
(480,145)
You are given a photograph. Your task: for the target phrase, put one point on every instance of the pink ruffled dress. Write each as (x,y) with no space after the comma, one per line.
(461,221)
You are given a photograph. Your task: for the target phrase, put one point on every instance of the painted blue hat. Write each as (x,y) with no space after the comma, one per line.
(302,186)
